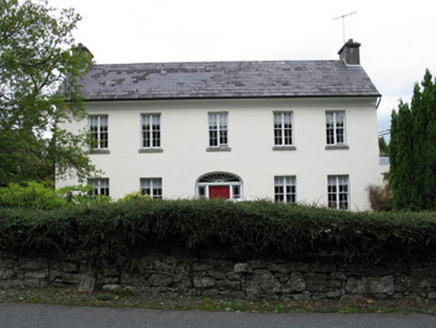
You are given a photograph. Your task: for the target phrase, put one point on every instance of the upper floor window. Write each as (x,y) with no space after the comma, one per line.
(98,128)
(283,129)
(150,130)
(151,187)
(101,186)
(285,189)
(218,129)
(338,191)
(335,128)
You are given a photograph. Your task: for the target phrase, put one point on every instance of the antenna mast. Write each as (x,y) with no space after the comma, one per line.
(343,24)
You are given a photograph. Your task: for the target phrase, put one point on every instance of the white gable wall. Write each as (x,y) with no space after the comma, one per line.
(184,140)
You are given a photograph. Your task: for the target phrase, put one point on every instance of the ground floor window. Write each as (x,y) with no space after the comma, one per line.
(285,189)
(151,187)
(219,185)
(100,185)
(338,192)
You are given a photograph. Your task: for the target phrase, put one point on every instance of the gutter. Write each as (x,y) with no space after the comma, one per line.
(236,97)
(378,102)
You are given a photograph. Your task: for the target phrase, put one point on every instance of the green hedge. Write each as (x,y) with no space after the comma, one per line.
(43,196)
(119,233)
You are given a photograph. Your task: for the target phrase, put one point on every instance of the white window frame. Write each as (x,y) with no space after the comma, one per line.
(220,129)
(100,185)
(288,192)
(152,121)
(154,185)
(336,133)
(102,125)
(338,191)
(282,131)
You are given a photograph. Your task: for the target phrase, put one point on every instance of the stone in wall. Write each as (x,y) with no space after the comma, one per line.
(262,284)
(381,285)
(296,283)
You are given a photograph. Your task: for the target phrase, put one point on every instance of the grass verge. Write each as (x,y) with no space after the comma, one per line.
(129,299)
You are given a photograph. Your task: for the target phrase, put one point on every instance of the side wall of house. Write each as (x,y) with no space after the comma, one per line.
(185,138)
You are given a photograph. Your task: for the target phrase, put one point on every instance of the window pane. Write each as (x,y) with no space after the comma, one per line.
(151,187)
(157,183)
(284,189)
(278,181)
(151,130)
(101,186)
(93,121)
(287,136)
(335,127)
(213,138)
(330,134)
(236,192)
(104,140)
(287,117)
(283,128)
(156,138)
(146,191)
(338,187)
(340,136)
(277,137)
(340,127)
(98,127)
(213,119)
(278,119)
(103,122)
(223,137)
(217,129)
(146,139)
(223,125)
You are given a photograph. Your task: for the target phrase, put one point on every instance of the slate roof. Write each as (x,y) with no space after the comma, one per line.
(252,79)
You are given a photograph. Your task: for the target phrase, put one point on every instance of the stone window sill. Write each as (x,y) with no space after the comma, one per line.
(150,150)
(98,151)
(336,147)
(284,148)
(216,149)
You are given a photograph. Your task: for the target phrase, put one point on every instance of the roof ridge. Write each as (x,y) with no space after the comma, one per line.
(220,62)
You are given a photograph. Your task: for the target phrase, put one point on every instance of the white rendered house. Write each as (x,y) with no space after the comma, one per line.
(292,131)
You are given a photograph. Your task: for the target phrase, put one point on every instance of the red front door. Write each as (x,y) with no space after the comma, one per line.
(222,192)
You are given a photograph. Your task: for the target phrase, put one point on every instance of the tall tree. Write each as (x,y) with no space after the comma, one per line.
(39,66)
(412,150)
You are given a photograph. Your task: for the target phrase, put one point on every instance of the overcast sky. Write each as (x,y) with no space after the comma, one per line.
(397,36)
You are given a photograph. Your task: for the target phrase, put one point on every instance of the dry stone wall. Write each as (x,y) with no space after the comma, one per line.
(252,280)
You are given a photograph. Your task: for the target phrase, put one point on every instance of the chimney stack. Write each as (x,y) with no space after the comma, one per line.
(82,49)
(349,53)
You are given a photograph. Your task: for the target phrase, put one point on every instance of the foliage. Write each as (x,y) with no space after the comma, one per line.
(31,195)
(383,146)
(37,57)
(42,196)
(134,196)
(380,198)
(118,233)
(82,195)
(412,150)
